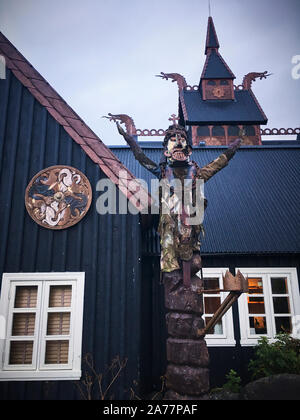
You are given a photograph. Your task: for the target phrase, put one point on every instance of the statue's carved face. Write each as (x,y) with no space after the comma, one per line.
(177,149)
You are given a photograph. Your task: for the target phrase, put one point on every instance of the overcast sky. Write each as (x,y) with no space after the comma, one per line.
(102,55)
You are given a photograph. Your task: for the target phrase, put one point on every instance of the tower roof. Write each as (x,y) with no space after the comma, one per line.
(211,37)
(215,66)
(239,107)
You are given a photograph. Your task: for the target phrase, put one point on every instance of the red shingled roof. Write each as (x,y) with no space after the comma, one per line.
(71,122)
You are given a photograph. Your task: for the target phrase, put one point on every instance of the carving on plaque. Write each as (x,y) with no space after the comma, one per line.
(58,197)
(218,92)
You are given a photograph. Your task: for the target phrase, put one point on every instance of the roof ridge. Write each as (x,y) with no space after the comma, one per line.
(64,114)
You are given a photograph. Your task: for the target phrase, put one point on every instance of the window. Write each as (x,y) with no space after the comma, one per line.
(222,334)
(249,130)
(218,131)
(43,313)
(272,304)
(233,130)
(203,131)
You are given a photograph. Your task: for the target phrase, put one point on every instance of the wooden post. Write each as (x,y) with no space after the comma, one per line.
(187,375)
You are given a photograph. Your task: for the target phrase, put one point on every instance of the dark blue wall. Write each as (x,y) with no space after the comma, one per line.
(106,247)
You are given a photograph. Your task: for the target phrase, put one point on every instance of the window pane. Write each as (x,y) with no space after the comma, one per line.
(212,304)
(249,130)
(281,305)
(26,297)
(20,352)
(58,323)
(283,324)
(258,325)
(218,131)
(233,130)
(60,296)
(279,285)
(211,283)
(256,305)
(217,329)
(57,352)
(203,130)
(23,324)
(255,285)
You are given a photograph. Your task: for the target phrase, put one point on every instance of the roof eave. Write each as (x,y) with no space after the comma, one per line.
(226,122)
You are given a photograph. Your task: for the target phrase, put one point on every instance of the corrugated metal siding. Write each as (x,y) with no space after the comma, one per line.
(253,204)
(105,247)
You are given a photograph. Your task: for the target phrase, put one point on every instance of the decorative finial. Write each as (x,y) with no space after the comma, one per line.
(123,119)
(175,77)
(251,77)
(174,119)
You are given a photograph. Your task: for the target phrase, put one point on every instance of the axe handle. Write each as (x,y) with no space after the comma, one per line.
(228,302)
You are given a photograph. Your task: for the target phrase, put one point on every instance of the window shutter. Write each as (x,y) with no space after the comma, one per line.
(57,352)
(26,297)
(21,352)
(23,324)
(60,296)
(58,323)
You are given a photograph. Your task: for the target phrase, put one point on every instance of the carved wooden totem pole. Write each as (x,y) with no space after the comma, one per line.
(187,375)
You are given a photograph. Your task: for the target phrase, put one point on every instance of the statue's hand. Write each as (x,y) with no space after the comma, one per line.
(235,145)
(120,129)
(229,153)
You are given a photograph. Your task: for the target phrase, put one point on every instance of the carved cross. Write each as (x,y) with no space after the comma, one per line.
(174,119)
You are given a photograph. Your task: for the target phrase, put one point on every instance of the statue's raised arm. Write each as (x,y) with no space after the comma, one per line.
(133,144)
(216,165)
(138,153)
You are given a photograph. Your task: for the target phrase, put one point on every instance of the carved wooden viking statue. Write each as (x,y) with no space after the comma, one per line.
(187,375)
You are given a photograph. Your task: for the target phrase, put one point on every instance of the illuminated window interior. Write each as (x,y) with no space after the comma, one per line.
(212,302)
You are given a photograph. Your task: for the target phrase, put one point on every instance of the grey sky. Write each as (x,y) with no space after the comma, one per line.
(102,55)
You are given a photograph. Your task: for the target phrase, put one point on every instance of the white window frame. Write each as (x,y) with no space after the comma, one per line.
(227,338)
(247,339)
(38,370)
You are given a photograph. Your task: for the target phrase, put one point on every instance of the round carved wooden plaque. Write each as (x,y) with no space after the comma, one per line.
(58,197)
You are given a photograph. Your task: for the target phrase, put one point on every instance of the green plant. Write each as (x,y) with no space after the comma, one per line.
(233,383)
(282,356)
